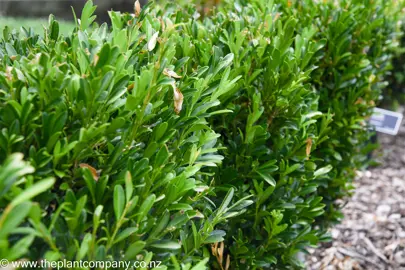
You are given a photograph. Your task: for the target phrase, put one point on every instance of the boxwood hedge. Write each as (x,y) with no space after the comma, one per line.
(219,139)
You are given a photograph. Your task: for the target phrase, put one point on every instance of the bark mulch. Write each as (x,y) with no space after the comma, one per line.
(372,233)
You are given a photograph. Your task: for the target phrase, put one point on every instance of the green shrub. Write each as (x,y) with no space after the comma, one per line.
(353,67)
(267,136)
(166,133)
(118,160)
(298,131)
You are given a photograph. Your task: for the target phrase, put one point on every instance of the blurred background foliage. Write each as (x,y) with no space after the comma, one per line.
(14,13)
(60,8)
(36,23)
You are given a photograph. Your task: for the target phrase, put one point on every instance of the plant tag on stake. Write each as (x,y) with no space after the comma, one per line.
(385,121)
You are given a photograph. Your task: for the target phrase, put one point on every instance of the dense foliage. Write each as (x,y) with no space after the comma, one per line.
(394,94)
(222,141)
(298,133)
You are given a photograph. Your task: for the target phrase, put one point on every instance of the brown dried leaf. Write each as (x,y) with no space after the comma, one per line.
(178,99)
(308,148)
(276,17)
(93,171)
(96,58)
(214,249)
(171,73)
(228,262)
(221,253)
(130,87)
(162,24)
(9,75)
(137,8)
(169,23)
(359,101)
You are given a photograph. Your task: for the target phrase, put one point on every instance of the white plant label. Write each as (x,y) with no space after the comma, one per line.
(385,121)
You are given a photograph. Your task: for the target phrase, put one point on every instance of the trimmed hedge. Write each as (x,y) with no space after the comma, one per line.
(223,142)
(353,70)
(299,122)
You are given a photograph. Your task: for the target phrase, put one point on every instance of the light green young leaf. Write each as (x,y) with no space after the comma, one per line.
(33,191)
(129,187)
(119,201)
(323,170)
(12,219)
(167,245)
(87,19)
